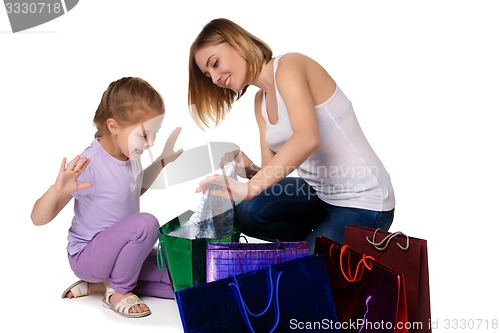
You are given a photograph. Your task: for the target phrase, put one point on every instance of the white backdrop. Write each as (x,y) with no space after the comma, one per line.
(423,78)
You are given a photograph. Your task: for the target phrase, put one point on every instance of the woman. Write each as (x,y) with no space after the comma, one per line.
(306,123)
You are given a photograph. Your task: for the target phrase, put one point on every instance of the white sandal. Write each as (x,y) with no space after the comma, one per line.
(79,288)
(123,307)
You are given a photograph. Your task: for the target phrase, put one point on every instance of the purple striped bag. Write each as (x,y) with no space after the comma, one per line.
(229,259)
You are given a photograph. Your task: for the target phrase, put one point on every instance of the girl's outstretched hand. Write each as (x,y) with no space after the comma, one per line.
(66,181)
(168,155)
(231,188)
(58,195)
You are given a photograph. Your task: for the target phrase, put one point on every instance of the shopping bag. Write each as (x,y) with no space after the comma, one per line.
(407,255)
(294,295)
(182,253)
(368,296)
(226,259)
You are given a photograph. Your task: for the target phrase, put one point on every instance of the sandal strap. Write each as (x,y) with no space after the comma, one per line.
(81,289)
(128,303)
(78,289)
(125,304)
(108,293)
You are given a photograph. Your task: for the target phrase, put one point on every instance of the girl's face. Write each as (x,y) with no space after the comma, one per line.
(134,139)
(224,65)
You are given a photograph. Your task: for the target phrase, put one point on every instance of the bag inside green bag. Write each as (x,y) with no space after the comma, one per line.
(184,255)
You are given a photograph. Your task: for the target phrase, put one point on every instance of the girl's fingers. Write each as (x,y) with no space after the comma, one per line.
(175,134)
(84,186)
(73,163)
(63,165)
(81,165)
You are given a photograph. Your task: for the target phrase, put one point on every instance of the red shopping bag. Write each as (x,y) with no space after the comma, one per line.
(404,254)
(369,296)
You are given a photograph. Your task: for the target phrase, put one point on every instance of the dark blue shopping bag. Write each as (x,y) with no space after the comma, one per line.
(294,295)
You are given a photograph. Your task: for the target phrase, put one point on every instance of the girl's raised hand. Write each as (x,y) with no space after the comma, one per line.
(66,181)
(168,155)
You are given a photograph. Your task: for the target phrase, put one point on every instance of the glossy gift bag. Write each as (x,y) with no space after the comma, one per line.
(182,253)
(407,255)
(368,296)
(226,259)
(291,296)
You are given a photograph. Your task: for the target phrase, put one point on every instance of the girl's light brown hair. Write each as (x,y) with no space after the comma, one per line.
(127,101)
(208,102)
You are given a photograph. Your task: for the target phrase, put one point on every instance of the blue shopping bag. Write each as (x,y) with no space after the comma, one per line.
(294,295)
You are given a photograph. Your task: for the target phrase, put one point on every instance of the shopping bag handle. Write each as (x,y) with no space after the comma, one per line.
(272,294)
(358,274)
(160,259)
(387,239)
(366,312)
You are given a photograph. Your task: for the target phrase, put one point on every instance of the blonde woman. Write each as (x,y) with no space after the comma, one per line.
(306,123)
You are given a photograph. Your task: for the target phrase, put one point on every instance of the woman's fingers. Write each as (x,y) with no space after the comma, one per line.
(215,179)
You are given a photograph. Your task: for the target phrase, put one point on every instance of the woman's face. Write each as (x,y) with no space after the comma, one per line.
(224,65)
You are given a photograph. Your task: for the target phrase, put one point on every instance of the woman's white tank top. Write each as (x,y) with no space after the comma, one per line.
(345,171)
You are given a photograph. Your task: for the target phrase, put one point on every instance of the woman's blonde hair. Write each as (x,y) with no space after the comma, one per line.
(127,101)
(207,101)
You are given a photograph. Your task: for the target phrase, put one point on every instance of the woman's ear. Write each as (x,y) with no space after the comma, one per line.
(113,126)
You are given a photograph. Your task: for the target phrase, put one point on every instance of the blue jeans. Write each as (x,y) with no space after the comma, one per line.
(291,211)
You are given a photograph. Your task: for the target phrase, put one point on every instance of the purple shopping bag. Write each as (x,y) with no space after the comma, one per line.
(226,259)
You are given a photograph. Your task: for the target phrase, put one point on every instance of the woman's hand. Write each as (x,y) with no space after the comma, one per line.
(168,155)
(245,168)
(66,181)
(231,188)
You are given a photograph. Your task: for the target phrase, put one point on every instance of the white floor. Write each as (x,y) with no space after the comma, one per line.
(95,317)
(86,314)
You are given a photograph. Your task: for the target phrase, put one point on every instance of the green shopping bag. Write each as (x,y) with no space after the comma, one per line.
(182,253)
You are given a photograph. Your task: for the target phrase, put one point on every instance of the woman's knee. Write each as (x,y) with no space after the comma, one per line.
(247,218)
(245,211)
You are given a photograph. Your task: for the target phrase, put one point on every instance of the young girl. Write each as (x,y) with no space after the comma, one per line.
(110,243)
(306,123)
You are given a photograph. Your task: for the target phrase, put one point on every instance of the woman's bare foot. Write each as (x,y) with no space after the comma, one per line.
(93,288)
